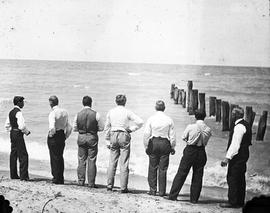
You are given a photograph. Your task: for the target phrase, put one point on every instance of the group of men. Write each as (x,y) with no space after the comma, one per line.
(159,142)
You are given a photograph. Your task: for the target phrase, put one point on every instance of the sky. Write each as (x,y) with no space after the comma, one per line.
(204,32)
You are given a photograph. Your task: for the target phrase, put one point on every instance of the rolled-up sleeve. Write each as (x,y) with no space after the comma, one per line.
(136,119)
(186,134)
(100,122)
(7,124)
(107,126)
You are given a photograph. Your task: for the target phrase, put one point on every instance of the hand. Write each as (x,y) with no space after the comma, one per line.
(108,146)
(172,151)
(27,133)
(147,151)
(224,162)
(128,130)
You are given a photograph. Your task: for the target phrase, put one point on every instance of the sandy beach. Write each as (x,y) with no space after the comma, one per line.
(31,196)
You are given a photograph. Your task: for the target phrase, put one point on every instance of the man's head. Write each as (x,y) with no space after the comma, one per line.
(237,113)
(120,100)
(18,101)
(53,100)
(200,114)
(160,105)
(87,101)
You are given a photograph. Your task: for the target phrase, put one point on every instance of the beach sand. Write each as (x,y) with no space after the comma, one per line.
(31,196)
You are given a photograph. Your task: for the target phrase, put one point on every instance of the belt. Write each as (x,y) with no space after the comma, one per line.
(14,129)
(119,131)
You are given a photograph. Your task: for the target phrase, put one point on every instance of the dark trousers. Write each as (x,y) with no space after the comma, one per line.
(195,157)
(18,150)
(87,154)
(236,180)
(159,150)
(56,146)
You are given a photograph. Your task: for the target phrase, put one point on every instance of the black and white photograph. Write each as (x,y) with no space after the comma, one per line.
(140,106)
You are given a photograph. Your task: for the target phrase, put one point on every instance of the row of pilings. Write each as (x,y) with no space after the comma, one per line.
(192,99)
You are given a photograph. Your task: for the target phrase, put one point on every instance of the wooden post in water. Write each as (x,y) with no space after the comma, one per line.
(202,101)
(212,106)
(180,98)
(218,110)
(231,120)
(172,91)
(189,86)
(184,98)
(250,115)
(176,95)
(193,101)
(262,126)
(225,115)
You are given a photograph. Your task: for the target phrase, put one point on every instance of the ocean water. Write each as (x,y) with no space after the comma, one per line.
(143,84)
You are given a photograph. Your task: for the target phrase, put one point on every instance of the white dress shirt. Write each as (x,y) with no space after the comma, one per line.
(197,134)
(20,122)
(160,125)
(238,133)
(119,118)
(58,120)
(99,121)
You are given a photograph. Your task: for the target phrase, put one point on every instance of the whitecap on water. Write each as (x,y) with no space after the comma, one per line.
(134,74)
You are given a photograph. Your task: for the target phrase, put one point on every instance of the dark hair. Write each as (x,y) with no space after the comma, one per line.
(17,99)
(87,101)
(160,105)
(54,100)
(121,100)
(200,114)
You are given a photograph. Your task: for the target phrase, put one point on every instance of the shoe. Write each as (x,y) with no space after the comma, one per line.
(194,201)
(93,186)
(109,189)
(80,183)
(161,194)
(24,179)
(58,182)
(124,191)
(151,193)
(170,198)
(228,205)
(14,178)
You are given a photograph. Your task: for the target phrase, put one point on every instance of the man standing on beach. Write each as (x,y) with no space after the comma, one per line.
(196,136)
(87,123)
(237,156)
(159,142)
(59,131)
(118,129)
(16,125)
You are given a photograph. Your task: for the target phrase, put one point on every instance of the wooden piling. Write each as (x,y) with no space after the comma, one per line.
(184,98)
(172,91)
(218,110)
(225,115)
(212,106)
(193,101)
(175,98)
(250,115)
(231,120)
(180,98)
(202,101)
(262,126)
(189,89)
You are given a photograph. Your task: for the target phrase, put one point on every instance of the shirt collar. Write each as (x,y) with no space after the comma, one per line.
(160,112)
(87,107)
(17,107)
(200,122)
(238,120)
(55,107)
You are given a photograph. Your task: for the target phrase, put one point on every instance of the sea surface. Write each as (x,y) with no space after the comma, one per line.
(143,84)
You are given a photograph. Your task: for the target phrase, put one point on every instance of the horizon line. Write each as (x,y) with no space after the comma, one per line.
(119,62)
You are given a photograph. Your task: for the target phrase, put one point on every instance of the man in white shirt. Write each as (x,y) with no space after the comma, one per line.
(196,136)
(159,142)
(16,125)
(59,131)
(118,129)
(237,156)
(87,123)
